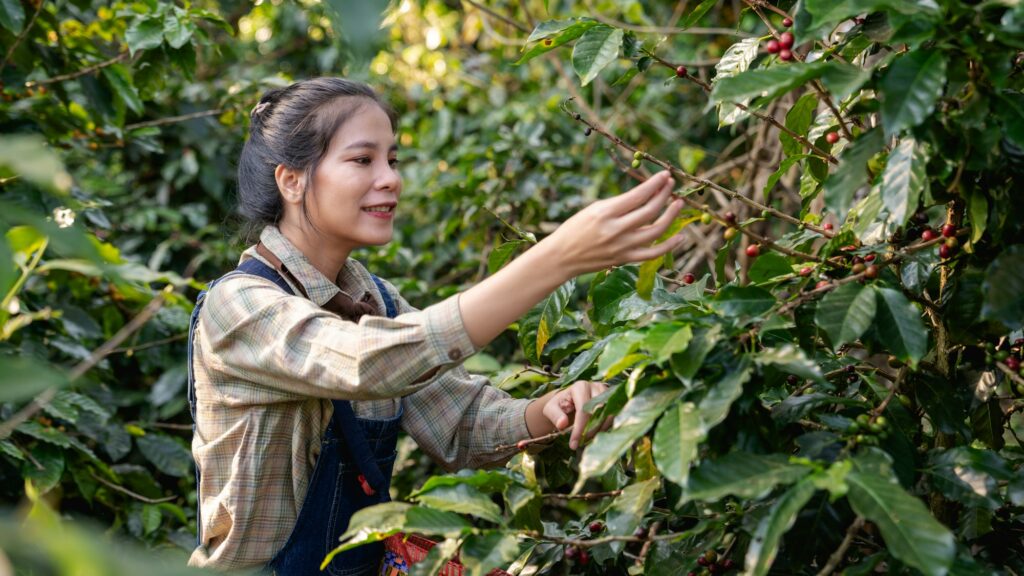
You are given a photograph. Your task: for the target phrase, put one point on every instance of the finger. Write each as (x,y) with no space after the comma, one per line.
(654,230)
(644,214)
(629,201)
(580,394)
(555,414)
(650,252)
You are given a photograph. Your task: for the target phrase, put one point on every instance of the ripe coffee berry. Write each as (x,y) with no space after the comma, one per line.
(786,39)
(680,71)
(787,22)
(821,284)
(948,230)
(827,226)
(596,526)
(869,258)
(773,46)
(702,561)
(1013,363)
(572,552)
(584,558)
(792,379)
(521,445)
(928,234)
(871,272)
(945,251)
(689,278)
(832,137)
(730,218)
(785,55)
(754,250)
(806,271)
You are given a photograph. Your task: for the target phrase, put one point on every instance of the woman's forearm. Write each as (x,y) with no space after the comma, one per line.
(489,307)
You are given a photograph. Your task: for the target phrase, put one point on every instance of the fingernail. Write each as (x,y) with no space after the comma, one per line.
(573,444)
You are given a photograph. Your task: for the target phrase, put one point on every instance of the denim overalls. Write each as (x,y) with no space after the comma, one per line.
(353,471)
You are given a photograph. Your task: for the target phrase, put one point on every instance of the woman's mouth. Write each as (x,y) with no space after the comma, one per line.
(380,210)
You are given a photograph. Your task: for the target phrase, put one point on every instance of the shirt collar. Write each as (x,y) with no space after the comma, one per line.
(317,286)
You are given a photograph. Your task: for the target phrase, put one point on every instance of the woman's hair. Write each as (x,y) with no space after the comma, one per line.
(294,126)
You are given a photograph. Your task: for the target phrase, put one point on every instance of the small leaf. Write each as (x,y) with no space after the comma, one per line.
(177,28)
(605,449)
(676,438)
(798,119)
(900,326)
(743,301)
(597,48)
(791,360)
(552,309)
(664,340)
(697,13)
(502,254)
(166,454)
(144,34)
(780,518)
(714,407)
(463,499)
(846,313)
(629,508)
(978,214)
(910,89)
(904,180)
(554,33)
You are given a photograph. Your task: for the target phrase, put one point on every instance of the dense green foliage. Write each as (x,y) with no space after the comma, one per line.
(828,392)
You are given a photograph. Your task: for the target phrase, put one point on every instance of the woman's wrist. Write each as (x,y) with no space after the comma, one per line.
(537,424)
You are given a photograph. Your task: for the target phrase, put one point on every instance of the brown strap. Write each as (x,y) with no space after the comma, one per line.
(341,304)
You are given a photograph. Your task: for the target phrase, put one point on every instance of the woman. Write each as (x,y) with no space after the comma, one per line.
(303,366)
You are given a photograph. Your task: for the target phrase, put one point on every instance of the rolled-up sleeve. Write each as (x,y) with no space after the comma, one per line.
(460,420)
(289,348)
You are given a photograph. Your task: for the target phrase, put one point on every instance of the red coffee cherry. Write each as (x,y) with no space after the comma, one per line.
(689,278)
(786,39)
(948,230)
(785,55)
(832,137)
(754,250)
(806,271)
(773,46)
(787,22)
(681,71)
(928,235)
(827,226)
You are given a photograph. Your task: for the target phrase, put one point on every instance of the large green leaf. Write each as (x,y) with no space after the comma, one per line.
(582,362)
(463,499)
(372,524)
(12,15)
(552,309)
(676,438)
(792,360)
(484,552)
(554,33)
(825,14)
(502,254)
(605,449)
(596,49)
(628,509)
(686,364)
(911,88)
(852,173)
(737,59)
(607,296)
(166,454)
(743,301)
(22,378)
(770,83)
(664,340)
(798,119)
(904,180)
(780,518)
(619,354)
(900,326)
(714,407)
(911,533)
(486,480)
(741,474)
(846,313)
(145,33)
(121,81)
(648,405)
(1004,288)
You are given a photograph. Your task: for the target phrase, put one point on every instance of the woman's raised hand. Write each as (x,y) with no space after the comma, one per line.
(618,230)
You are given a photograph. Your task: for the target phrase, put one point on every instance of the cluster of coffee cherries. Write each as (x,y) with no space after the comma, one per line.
(711,563)
(1011,356)
(578,554)
(947,248)
(783,46)
(865,430)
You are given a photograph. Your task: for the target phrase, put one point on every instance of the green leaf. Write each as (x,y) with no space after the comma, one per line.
(177,28)
(12,15)
(145,34)
(910,89)
(846,313)
(582,362)
(648,405)
(51,458)
(618,355)
(433,522)
(559,32)
(605,449)
(166,454)
(649,269)
(486,480)
(741,474)
(737,59)
(151,517)
(743,301)
(987,424)
(686,364)
(791,360)
(22,378)
(463,499)
(780,518)
(502,254)
(121,81)
(436,559)
(676,438)
(852,173)
(1004,288)
(697,13)
(714,407)
(372,524)
(798,119)
(596,49)
(482,553)
(629,508)
(904,180)
(44,433)
(664,340)
(825,14)
(30,157)
(769,266)
(977,212)
(900,326)
(784,167)
(611,292)
(910,532)
(552,309)
(770,83)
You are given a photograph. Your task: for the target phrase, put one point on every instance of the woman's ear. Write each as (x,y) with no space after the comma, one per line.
(291,184)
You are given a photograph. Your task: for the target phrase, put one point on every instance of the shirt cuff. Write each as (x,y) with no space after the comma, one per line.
(447,333)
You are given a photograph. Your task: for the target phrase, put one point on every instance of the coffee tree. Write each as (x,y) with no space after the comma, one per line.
(837,389)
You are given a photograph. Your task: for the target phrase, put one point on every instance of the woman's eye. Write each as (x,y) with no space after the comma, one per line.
(364,160)
(394,162)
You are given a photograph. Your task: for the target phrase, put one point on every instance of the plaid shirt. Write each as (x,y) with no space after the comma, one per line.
(267,365)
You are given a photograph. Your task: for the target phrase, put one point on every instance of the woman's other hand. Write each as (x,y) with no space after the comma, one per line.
(558,410)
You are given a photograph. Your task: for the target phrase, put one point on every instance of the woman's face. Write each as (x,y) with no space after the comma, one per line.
(355,188)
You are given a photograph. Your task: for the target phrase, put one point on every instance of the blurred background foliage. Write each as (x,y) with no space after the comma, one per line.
(120,125)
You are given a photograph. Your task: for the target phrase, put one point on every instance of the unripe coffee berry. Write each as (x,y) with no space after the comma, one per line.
(681,71)
(729,234)
(787,22)
(871,272)
(821,284)
(786,40)
(635,164)
(773,46)
(952,242)
(785,55)
(948,230)
(689,278)
(832,137)
(754,250)
(858,268)
(706,218)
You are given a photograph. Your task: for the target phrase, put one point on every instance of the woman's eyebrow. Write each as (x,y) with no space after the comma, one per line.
(368,144)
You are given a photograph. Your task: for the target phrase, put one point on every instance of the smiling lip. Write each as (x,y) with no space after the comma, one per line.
(385,210)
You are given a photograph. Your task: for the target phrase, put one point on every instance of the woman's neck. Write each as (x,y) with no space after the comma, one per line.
(327,258)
